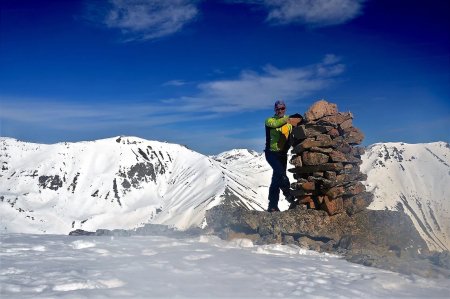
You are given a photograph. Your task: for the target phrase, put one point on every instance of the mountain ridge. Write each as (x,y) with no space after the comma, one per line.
(126,182)
(413,178)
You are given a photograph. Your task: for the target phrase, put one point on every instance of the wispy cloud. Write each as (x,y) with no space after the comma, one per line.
(151,19)
(148,19)
(69,115)
(313,12)
(147,120)
(256,90)
(250,91)
(317,13)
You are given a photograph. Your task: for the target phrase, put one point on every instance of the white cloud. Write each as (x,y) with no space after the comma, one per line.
(316,13)
(253,91)
(150,19)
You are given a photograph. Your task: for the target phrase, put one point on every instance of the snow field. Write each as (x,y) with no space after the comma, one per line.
(50,266)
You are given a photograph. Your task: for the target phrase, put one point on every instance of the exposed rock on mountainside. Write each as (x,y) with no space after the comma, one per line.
(414,179)
(327,160)
(384,239)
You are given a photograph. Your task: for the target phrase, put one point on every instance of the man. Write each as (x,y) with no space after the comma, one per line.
(278,130)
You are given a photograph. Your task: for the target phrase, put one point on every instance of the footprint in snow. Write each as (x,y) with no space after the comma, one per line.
(197,257)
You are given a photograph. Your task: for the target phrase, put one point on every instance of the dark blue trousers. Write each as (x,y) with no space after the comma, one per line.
(278,162)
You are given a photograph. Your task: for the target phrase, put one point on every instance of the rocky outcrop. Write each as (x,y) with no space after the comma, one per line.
(383,239)
(146,230)
(326,161)
(383,230)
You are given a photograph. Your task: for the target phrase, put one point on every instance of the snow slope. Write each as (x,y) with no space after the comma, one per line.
(248,174)
(120,182)
(50,266)
(414,178)
(124,182)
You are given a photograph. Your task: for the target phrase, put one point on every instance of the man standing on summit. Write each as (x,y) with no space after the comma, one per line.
(278,131)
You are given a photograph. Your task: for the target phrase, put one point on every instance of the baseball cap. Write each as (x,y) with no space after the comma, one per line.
(280,103)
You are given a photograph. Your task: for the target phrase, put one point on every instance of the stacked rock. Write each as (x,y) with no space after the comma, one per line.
(327,159)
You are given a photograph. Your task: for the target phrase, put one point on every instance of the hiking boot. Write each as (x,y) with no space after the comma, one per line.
(275,209)
(290,199)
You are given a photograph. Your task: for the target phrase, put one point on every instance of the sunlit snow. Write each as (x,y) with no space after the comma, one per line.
(49,266)
(181,185)
(413,178)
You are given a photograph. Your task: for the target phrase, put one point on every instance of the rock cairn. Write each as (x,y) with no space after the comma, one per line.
(327,159)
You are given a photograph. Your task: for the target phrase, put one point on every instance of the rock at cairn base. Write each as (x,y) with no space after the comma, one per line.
(326,159)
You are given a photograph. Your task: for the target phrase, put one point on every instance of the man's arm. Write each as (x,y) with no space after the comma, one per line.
(273,122)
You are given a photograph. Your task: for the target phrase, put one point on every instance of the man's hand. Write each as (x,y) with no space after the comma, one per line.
(293,121)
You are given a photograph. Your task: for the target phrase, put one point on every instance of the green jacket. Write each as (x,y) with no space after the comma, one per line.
(277,134)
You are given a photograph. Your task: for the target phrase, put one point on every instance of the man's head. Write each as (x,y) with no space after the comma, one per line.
(280,108)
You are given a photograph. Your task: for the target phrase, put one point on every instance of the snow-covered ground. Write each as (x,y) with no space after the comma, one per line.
(58,266)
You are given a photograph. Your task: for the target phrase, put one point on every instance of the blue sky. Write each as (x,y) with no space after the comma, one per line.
(205,74)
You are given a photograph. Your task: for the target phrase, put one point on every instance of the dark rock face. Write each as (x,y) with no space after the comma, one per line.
(137,174)
(384,239)
(52,182)
(146,230)
(80,232)
(73,185)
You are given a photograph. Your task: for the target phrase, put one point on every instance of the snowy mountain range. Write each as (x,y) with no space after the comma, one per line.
(414,178)
(126,182)
(121,182)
